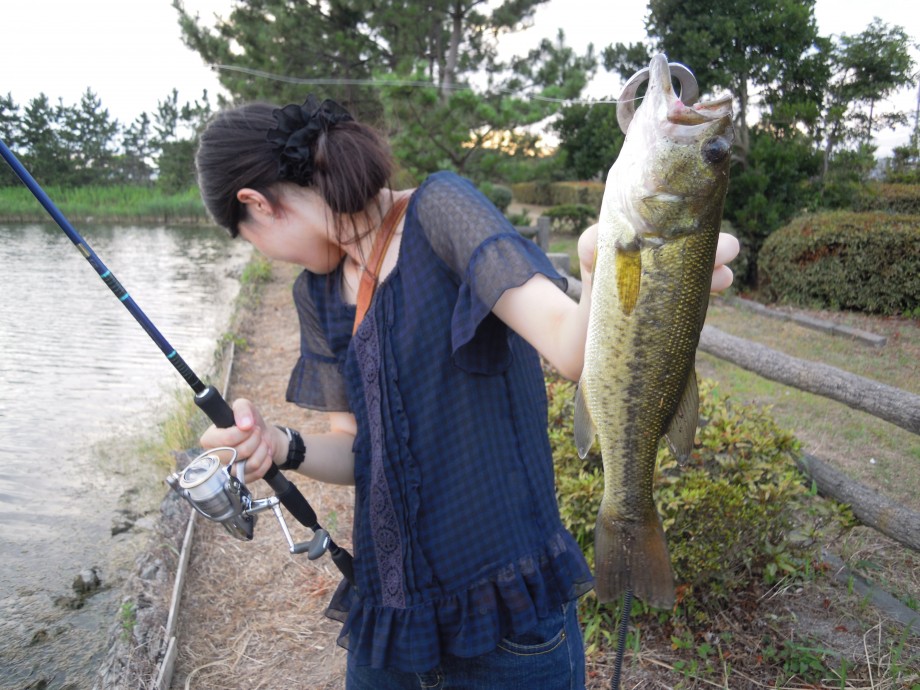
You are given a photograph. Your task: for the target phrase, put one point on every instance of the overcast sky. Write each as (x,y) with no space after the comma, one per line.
(130,54)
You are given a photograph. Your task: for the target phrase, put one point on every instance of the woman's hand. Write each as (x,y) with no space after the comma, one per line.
(722,275)
(254,440)
(727,250)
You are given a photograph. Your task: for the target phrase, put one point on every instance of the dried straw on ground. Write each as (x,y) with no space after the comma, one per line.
(252,613)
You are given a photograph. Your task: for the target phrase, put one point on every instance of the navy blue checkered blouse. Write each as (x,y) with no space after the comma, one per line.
(457,535)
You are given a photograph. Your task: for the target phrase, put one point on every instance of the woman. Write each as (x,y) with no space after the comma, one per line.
(464,574)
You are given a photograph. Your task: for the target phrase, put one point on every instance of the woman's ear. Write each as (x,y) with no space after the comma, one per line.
(255,202)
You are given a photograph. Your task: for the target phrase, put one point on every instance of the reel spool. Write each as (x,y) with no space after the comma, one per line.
(215,493)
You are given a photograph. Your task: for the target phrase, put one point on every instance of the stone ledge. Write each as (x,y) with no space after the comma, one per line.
(822,325)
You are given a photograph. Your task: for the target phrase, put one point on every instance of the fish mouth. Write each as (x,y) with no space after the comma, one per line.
(700,113)
(660,97)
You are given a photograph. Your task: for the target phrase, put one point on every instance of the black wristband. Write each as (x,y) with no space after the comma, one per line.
(297,450)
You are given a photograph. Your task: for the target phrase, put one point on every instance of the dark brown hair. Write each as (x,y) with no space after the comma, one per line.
(351,164)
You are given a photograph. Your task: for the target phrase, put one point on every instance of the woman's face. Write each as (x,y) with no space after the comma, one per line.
(297,228)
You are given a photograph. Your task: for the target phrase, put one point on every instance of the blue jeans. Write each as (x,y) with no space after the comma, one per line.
(549,657)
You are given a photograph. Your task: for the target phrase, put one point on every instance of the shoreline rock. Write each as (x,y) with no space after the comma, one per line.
(136,639)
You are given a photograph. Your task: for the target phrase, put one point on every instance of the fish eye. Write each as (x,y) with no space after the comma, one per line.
(715,150)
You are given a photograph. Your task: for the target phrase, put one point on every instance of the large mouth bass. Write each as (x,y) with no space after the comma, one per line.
(657,236)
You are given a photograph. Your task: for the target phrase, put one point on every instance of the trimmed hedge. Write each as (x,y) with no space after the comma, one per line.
(893,198)
(868,262)
(559,193)
(571,219)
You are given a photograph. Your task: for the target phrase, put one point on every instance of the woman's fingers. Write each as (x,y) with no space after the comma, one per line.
(727,248)
(722,277)
(248,438)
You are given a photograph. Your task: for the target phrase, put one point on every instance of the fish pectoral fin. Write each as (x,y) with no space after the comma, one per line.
(628,275)
(682,429)
(585,430)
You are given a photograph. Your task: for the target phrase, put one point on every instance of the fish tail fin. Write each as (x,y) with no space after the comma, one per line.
(632,554)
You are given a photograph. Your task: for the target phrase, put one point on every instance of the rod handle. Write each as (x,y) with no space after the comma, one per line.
(215,407)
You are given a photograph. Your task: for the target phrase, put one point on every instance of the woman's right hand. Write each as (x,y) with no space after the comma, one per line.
(253,440)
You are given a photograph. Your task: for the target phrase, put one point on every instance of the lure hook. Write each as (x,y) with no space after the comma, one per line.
(626,105)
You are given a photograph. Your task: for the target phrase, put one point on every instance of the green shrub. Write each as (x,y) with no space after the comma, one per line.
(891,198)
(558,193)
(571,218)
(867,262)
(536,193)
(497,194)
(731,515)
(587,193)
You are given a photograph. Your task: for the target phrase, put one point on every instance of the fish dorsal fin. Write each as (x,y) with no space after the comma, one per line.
(585,430)
(682,430)
(628,273)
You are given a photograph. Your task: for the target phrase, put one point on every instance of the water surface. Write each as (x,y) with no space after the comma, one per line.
(80,384)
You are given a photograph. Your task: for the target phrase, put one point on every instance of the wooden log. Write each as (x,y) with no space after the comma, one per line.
(869,506)
(885,402)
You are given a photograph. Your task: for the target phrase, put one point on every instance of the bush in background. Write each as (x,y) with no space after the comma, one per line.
(890,198)
(559,193)
(571,219)
(497,194)
(868,262)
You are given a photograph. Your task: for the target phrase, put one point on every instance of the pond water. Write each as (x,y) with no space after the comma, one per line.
(81,384)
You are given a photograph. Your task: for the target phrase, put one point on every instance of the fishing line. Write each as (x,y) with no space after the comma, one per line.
(208,398)
(337,81)
(621,639)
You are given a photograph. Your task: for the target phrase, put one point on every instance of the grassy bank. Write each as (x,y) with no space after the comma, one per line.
(867,449)
(116,204)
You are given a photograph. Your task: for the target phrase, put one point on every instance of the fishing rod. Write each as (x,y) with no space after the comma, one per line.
(206,483)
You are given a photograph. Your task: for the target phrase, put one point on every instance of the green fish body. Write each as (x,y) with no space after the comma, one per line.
(657,237)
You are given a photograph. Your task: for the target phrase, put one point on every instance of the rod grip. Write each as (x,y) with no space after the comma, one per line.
(291,498)
(213,404)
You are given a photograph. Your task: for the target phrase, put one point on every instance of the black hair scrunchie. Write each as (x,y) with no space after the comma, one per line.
(297,129)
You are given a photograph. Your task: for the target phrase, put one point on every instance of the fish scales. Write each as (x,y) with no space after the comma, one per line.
(656,246)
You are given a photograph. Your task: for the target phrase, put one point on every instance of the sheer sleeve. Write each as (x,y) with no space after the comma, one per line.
(488,256)
(317,381)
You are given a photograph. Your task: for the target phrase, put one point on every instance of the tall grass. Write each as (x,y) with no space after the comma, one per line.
(116,203)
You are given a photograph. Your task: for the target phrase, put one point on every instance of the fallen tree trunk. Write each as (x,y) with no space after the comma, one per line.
(869,506)
(885,402)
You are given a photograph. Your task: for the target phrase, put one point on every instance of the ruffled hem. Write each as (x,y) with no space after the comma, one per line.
(468,623)
(317,384)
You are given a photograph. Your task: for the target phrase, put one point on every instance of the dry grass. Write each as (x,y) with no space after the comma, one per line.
(252,613)
(869,450)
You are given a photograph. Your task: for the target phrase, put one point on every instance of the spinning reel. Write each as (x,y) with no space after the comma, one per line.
(218,493)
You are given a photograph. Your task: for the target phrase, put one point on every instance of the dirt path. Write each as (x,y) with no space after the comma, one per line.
(252,613)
